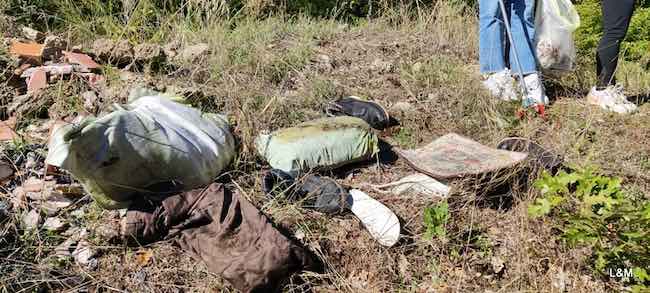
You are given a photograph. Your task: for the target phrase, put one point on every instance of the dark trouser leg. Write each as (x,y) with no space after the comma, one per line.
(616,20)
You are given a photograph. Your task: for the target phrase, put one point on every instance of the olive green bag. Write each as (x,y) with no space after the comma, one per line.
(321,144)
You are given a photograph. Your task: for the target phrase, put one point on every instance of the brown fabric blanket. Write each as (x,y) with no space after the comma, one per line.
(225,231)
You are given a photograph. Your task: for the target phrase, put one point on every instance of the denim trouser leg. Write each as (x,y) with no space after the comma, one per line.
(522,22)
(492,38)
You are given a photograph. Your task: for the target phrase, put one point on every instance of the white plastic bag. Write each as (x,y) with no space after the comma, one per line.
(555,22)
(153,141)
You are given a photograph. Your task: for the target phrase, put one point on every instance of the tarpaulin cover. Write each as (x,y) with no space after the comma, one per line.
(153,141)
(455,156)
(325,143)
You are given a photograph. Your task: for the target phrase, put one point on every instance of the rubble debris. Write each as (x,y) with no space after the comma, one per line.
(33,184)
(120,52)
(70,190)
(4,210)
(53,47)
(86,62)
(37,81)
(402,107)
(19,198)
(194,53)
(84,255)
(21,69)
(31,220)
(147,52)
(171,49)
(324,62)
(32,52)
(32,34)
(103,48)
(53,69)
(90,100)
(54,224)
(65,249)
(6,171)
(7,132)
(382,67)
(55,202)
(143,257)
(497,264)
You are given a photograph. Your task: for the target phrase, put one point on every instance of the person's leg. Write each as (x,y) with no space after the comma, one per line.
(492,50)
(522,23)
(616,20)
(491,37)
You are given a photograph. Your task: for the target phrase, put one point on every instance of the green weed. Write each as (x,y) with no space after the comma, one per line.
(593,210)
(435,219)
(405,138)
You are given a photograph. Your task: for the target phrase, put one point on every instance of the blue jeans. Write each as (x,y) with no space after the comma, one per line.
(493,38)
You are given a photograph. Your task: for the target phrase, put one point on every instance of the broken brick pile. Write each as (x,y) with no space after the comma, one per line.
(48,61)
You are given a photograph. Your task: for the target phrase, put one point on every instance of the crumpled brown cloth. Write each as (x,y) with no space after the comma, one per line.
(225,231)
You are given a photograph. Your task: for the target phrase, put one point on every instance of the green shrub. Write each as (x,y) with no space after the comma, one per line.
(594,211)
(636,45)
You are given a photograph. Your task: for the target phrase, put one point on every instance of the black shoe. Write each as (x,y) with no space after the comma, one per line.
(374,114)
(540,156)
(320,193)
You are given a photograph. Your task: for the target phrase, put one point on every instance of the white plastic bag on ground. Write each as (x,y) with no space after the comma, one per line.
(153,141)
(555,22)
(325,143)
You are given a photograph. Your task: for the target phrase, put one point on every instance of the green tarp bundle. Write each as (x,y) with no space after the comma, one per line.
(325,143)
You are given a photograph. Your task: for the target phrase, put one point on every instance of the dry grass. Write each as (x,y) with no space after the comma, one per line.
(264,73)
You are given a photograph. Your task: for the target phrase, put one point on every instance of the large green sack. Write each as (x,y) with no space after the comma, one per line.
(320,144)
(154,142)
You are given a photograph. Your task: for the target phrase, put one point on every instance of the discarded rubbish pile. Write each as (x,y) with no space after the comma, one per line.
(174,148)
(327,144)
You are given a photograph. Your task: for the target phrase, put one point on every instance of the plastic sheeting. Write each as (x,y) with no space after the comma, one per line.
(152,142)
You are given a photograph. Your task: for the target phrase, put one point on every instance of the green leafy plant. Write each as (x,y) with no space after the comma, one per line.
(594,211)
(435,219)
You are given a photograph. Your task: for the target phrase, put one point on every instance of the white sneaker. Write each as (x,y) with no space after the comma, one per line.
(611,99)
(536,95)
(501,85)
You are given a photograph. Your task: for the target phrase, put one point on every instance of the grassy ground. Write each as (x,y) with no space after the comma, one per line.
(268,73)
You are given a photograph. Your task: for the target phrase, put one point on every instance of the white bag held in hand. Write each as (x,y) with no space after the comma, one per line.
(153,142)
(555,22)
